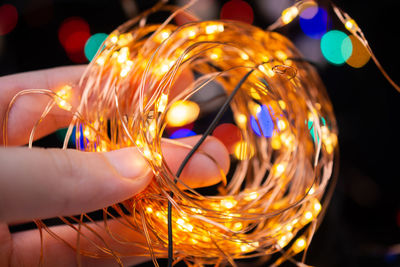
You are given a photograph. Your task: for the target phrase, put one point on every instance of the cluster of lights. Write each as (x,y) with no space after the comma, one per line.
(262,137)
(337,47)
(274,193)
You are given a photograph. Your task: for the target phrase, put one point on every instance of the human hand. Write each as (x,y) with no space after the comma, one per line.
(43,183)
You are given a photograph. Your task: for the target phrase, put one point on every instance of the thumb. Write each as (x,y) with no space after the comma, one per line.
(43,183)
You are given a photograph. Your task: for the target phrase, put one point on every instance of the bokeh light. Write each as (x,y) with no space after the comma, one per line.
(336,47)
(263,125)
(229,134)
(74,46)
(182,113)
(73,34)
(317,25)
(308,9)
(93,44)
(61,136)
(238,10)
(360,55)
(8,18)
(181,133)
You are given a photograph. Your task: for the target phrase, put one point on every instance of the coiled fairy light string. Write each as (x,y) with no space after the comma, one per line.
(279,177)
(274,195)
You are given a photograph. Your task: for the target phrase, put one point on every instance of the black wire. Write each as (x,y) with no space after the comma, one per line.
(191,153)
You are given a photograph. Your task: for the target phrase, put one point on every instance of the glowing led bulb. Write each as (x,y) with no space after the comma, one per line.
(100,61)
(241,119)
(281,55)
(185,226)
(182,113)
(251,196)
(281,125)
(351,25)
(213,28)
(244,56)
(123,55)
(308,216)
(289,14)
(63,96)
(279,169)
(113,38)
(237,226)
(191,33)
(228,203)
(299,245)
(249,247)
(162,103)
(149,209)
(243,150)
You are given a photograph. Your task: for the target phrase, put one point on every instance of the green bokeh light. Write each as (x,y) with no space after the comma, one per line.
(93,44)
(336,47)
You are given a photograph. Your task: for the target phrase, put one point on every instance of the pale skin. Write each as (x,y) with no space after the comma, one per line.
(44,183)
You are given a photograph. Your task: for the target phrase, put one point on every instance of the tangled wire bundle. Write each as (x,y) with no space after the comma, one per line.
(281,165)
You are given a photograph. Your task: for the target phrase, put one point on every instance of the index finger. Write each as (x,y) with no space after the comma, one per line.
(27,109)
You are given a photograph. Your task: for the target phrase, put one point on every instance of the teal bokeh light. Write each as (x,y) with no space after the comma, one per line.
(93,44)
(336,47)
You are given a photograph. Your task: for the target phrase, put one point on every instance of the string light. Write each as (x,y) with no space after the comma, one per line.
(275,189)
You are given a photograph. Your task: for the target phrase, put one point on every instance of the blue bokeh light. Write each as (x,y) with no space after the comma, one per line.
(264,122)
(317,26)
(181,133)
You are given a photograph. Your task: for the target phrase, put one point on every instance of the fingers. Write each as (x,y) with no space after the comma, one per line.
(43,183)
(205,168)
(28,108)
(26,246)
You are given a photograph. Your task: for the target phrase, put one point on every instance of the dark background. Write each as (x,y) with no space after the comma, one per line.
(362,225)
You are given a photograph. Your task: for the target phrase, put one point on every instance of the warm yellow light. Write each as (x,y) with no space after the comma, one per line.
(100,61)
(281,55)
(279,169)
(214,56)
(228,203)
(243,150)
(237,226)
(275,142)
(351,25)
(244,56)
(162,103)
(149,209)
(249,247)
(282,104)
(289,14)
(299,245)
(254,94)
(184,225)
(191,33)
(251,196)
(281,125)
(308,215)
(210,29)
(241,119)
(317,206)
(195,210)
(113,38)
(182,112)
(63,96)
(285,239)
(123,55)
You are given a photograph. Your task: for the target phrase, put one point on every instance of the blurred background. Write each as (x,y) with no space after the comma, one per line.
(362,225)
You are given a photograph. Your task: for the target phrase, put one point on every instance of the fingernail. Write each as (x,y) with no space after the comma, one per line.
(128,162)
